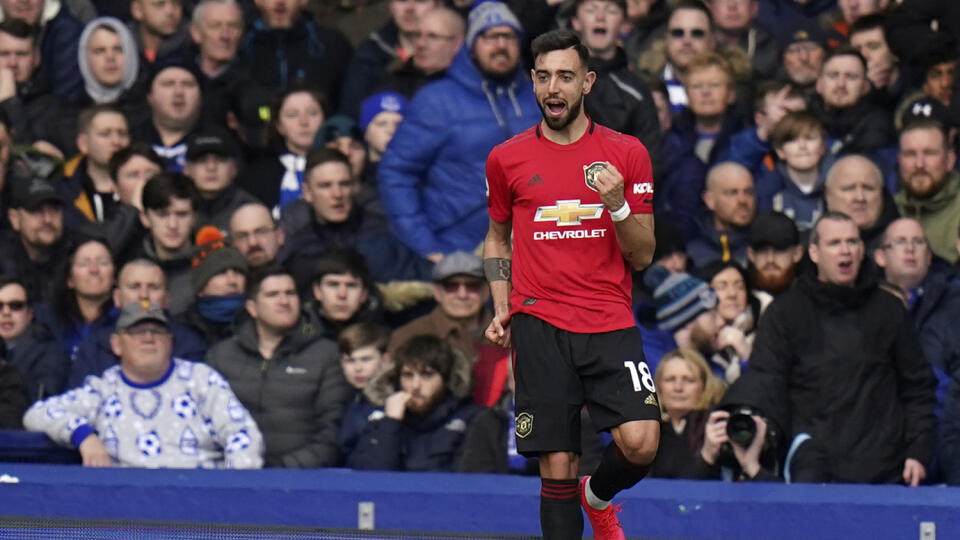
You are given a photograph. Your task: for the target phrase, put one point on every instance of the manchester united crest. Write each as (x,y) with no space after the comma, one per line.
(524,422)
(590,173)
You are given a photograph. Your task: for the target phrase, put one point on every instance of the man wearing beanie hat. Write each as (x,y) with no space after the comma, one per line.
(218,275)
(432,174)
(683,313)
(571,208)
(174,99)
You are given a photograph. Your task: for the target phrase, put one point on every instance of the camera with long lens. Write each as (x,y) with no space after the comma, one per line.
(742,430)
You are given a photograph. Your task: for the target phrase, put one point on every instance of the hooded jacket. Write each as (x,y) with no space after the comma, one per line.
(131,61)
(297,396)
(939,216)
(432,174)
(431,442)
(845,366)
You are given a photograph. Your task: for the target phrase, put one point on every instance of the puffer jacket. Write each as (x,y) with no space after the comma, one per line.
(297,396)
(432,174)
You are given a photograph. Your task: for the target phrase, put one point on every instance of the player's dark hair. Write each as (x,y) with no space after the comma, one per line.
(163,187)
(425,351)
(125,154)
(558,40)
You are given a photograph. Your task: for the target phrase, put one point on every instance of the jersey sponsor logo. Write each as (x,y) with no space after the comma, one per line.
(590,173)
(642,189)
(651,400)
(569,235)
(524,423)
(569,212)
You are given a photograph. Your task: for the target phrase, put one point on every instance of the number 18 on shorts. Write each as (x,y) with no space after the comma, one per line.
(558,372)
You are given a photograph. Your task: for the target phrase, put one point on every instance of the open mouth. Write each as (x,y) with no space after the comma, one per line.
(555,107)
(600,31)
(845,266)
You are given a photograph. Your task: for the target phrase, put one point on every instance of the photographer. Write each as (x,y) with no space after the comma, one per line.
(748,458)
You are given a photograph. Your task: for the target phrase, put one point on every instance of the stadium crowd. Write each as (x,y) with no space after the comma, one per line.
(244,234)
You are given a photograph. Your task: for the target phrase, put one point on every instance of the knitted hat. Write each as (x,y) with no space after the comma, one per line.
(680,298)
(486,15)
(383,102)
(335,127)
(213,257)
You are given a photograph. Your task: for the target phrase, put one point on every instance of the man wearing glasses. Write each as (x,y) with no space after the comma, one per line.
(689,33)
(256,235)
(153,410)
(30,348)
(461,293)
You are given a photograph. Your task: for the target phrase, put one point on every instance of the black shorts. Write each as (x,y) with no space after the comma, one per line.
(557,372)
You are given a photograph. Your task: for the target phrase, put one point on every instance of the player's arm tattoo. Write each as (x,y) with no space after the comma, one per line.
(496,269)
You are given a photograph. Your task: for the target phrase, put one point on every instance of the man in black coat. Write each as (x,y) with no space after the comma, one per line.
(618,99)
(843,358)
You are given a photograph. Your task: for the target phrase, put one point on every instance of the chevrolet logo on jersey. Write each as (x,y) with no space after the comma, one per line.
(569,212)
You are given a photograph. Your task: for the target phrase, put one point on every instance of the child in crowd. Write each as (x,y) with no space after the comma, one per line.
(795,185)
(363,353)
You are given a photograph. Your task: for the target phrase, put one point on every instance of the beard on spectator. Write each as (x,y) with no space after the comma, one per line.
(773,284)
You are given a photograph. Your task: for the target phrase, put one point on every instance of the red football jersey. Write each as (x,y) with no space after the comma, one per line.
(567,265)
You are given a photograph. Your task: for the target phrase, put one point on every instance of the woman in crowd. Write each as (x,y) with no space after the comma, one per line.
(688,391)
(81,301)
(275,178)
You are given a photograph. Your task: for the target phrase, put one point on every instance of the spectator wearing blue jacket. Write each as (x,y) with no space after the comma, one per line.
(139,280)
(432,174)
(30,349)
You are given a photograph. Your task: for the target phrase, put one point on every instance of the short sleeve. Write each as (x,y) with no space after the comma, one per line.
(499,204)
(638,180)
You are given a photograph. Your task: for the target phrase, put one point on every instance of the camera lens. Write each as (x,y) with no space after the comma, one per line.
(741,429)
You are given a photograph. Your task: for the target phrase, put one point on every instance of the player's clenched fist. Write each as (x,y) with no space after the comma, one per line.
(498,331)
(609,184)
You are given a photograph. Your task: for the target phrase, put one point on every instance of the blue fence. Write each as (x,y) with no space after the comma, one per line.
(496,506)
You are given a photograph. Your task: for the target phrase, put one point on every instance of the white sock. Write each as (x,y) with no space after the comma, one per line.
(593,500)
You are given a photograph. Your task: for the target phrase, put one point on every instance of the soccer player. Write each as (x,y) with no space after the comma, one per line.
(578,198)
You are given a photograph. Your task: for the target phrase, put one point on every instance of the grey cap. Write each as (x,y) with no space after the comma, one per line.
(458,263)
(138,312)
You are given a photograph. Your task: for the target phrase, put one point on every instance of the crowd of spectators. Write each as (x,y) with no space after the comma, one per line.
(244,234)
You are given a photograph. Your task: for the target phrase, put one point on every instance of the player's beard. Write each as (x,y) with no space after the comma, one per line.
(773,284)
(558,124)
